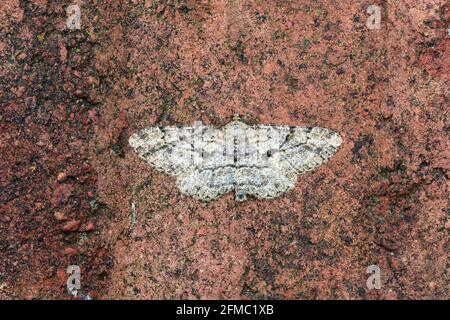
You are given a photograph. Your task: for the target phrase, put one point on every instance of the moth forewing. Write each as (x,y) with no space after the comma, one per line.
(147,140)
(213,149)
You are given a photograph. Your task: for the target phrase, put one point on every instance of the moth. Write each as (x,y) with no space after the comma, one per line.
(262,161)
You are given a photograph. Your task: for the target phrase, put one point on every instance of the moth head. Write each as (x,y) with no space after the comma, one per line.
(241,196)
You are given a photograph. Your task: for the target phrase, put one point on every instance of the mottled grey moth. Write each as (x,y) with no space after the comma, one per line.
(261,161)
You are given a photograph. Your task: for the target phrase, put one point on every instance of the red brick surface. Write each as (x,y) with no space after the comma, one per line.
(70,100)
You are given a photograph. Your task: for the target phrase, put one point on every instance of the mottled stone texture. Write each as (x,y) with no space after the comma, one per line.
(70,101)
(50,217)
